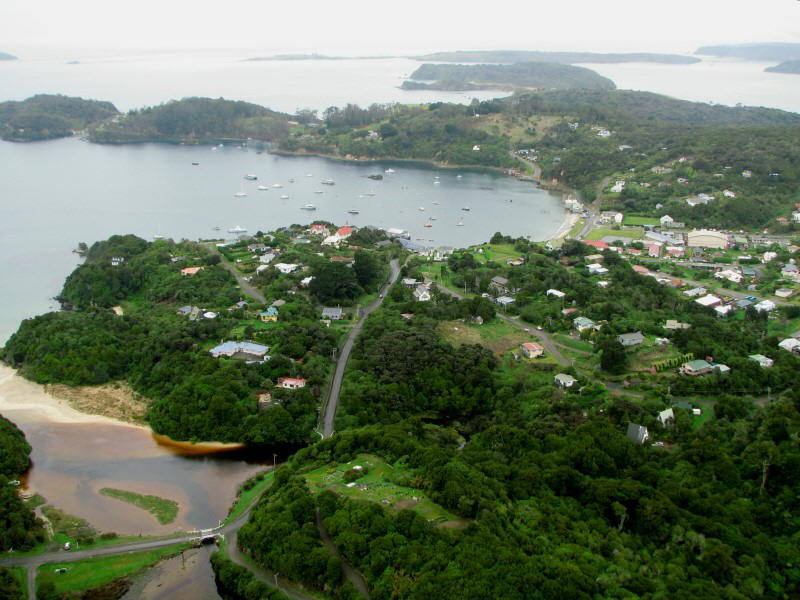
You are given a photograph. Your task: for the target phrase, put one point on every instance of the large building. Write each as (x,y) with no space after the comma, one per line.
(706,238)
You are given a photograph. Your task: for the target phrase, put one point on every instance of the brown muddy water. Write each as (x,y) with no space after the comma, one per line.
(75,455)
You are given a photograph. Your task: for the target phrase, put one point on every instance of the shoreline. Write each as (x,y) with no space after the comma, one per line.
(570,219)
(19,394)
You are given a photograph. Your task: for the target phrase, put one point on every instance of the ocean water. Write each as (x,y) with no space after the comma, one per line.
(58,193)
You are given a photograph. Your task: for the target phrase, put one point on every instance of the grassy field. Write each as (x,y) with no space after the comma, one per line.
(498,336)
(498,252)
(783,327)
(247,496)
(600,232)
(381,483)
(91,573)
(631,220)
(580,345)
(163,509)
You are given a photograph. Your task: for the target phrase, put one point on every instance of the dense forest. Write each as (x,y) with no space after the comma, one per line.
(21,529)
(517,56)
(524,74)
(194,120)
(47,116)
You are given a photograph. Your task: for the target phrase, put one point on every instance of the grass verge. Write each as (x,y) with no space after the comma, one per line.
(87,574)
(249,491)
(162,509)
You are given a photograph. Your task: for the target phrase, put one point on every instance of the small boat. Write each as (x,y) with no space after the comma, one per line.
(195,163)
(284,197)
(432,218)
(251,177)
(376,176)
(216,228)
(277,185)
(428,224)
(158,237)
(436,182)
(460,223)
(459,176)
(466,208)
(318,191)
(262,188)
(291,180)
(434,202)
(370,193)
(240,194)
(237,229)
(353,211)
(390,171)
(309,175)
(308,207)
(328,182)
(213,147)
(421,208)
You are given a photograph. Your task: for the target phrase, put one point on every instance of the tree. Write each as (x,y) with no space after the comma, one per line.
(367,268)
(613,358)
(334,282)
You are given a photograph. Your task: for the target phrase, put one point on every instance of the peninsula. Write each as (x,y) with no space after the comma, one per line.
(48,116)
(787,66)
(537,75)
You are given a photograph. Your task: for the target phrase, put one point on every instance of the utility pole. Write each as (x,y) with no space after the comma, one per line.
(273,460)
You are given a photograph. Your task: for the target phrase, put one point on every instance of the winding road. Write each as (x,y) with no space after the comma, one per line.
(243,283)
(336,384)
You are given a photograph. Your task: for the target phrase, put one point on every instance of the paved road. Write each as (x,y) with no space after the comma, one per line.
(344,355)
(245,285)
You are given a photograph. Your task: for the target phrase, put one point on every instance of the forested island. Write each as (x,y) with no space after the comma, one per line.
(516,56)
(7,56)
(539,75)
(759,51)
(787,66)
(48,116)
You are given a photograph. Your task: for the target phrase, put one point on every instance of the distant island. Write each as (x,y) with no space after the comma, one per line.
(537,75)
(7,56)
(787,66)
(47,116)
(515,56)
(770,51)
(312,56)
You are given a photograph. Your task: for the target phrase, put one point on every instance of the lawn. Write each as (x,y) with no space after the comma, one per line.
(499,252)
(381,482)
(91,573)
(569,342)
(163,509)
(21,575)
(600,232)
(632,220)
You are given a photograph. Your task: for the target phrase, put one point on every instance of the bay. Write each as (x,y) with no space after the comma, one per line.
(55,194)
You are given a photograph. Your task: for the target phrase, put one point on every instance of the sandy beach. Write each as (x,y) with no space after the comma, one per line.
(570,219)
(19,394)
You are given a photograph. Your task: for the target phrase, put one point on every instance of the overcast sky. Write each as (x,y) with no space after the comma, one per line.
(47,27)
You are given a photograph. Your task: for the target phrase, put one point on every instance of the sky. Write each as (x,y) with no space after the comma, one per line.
(33,28)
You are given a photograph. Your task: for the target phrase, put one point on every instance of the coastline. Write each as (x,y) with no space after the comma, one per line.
(19,394)
(570,219)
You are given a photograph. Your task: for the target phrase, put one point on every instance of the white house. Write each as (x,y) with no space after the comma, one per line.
(286,268)
(291,383)
(422,293)
(666,416)
(763,361)
(790,345)
(596,269)
(564,381)
(765,306)
(709,301)
(666,221)
(556,293)
(618,187)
